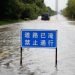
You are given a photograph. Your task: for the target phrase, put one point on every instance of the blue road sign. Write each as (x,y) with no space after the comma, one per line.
(38,38)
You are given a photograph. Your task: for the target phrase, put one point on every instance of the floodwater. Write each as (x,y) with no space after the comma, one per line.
(38,61)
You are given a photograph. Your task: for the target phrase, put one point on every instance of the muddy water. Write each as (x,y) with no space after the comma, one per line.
(38,61)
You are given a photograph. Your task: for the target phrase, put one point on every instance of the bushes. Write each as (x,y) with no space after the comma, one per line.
(70,10)
(25,9)
(32,8)
(31,11)
(10,9)
(15,9)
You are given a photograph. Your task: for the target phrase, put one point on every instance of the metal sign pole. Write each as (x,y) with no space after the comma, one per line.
(50,37)
(21,56)
(56,63)
(56,6)
(56,58)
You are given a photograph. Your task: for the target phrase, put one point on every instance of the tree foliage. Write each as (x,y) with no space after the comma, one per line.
(31,11)
(15,9)
(10,9)
(70,10)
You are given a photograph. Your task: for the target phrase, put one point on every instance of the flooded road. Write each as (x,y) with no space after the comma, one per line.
(38,61)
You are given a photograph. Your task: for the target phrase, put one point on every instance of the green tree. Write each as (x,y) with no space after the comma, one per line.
(33,8)
(10,9)
(70,10)
(31,11)
(15,9)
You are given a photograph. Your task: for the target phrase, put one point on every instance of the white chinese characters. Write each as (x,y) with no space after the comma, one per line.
(50,35)
(27,35)
(43,43)
(39,39)
(43,35)
(35,35)
(27,42)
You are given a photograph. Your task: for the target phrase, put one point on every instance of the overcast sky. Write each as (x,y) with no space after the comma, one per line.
(61,4)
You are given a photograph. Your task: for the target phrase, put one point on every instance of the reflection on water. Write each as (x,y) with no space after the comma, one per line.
(72,22)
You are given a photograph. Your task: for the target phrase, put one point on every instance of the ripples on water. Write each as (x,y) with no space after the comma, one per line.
(36,61)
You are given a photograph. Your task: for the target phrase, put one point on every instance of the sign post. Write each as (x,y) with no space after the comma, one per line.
(39,39)
(56,7)
(21,56)
(56,58)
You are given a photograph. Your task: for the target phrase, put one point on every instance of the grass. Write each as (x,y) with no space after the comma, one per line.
(6,21)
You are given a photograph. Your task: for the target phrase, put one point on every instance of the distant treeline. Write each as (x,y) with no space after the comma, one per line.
(24,9)
(69,11)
